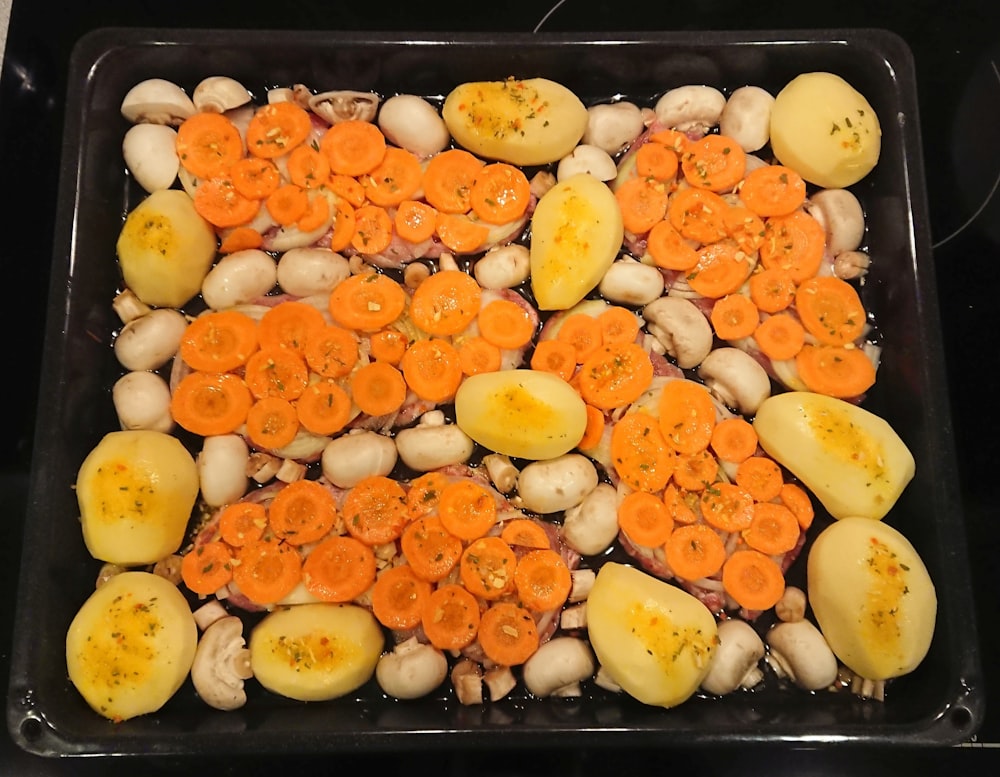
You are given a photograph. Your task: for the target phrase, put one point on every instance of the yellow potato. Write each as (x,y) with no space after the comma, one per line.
(655,640)
(872,597)
(521,413)
(131,645)
(165,249)
(315,652)
(523,122)
(136,490)
(825,130)
(576,232)
(850,458)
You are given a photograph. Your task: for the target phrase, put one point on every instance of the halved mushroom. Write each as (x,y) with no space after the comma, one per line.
(222,664)
(157,101)
(558,667)
(681,328)
(150,152)
(218,94)
(841,215)
(340,106)
(586,158)
(736,660)
(736,379)
(798,651)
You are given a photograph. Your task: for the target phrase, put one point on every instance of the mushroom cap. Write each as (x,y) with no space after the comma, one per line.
(558,663)
(799,649)
(157,101)
(221,664)
(612,126)
(681,328)
(587,158)
(218,94)
(740,648)
(736,379)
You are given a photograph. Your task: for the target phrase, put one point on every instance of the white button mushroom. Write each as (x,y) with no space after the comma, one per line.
(591,526)
(695,108)
(348,459)
(681,328)
(222,468)
(238,278)
(433,444)
(309,270)
(411,670)
(554,485)
(736,659)
(149,341)
(841,215)
(630,282)
(797,650)
(150,153)
(222,664)
(792,604)
(411,122)
(142,401)
(558,667)
(736,379)
(746,117)
(586,158)
(157,101)
(612,126)
(218,94)
(503,267)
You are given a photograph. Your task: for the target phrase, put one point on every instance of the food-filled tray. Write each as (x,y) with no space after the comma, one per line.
(940,702)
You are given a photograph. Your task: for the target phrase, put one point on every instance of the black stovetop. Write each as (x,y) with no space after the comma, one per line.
(956,48)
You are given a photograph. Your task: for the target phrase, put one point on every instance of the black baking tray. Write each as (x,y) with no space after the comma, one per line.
(940,703)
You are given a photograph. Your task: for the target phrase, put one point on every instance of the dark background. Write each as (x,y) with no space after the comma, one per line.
(956,47)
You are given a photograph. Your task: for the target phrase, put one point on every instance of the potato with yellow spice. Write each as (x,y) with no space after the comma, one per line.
(136,490)
(131,645)
(524,122)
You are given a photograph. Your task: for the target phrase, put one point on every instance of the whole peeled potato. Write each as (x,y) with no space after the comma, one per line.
(165,249)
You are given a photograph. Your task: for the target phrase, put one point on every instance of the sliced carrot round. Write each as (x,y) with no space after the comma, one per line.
(780,336)
(616,375)
(396,178)
(487,568)
(375,510)
(267,571)
(450,617)
(695,472)
(734,317)
(210,403)
(467,509)
(430,548)
(353,147)
(276,372)
(698,214)
(543,580)
(242,522)
(500,193)
(641,456)
(506,324)
(727,507)
(669,249)
(687,415)
(446,302)
(753,580)
(773,529)
(734,439)
(217,201)
(378,388)
(645,519)
(254,177)
(508,634)
(339,569)
(331,350)
(773,190)
(448,179)
(432,369)
(772,290)
(324,408)
(761,477)
(715,162)
(289,324)
(276,128)
(643,204)
(207,567)
(372,229)
(367,302)
(793,243)
(208,144)
(272,423)
(836,371)
(398,597)
(303,511)
(424,493)
(555,356)
(722,269)
(694,552)
(830,310)
(219,341)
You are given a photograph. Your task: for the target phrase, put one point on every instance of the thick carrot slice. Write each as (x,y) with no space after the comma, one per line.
(448,180)
(272,423)
(681,503)
(324,407)
(734,317)
(524,533)
(217,201)
(745,227)
(277,128)
(450,617)
(508,634)
(615,375)
(487,568)
(698,214)
(500,193)
(643,203)
(372,229)
(241,239)
(339,569)
(694,472)
(267,570)
(793,243)
(640,455)
(367,302)
(378,388)
(331,350)
(430,548)
(219,341)
(242,522)
(694,552)
(753,580)
(830,310)
(348,188)
(583,333)
(209,403)
(415,221)
(208,567)
(375,510)
(760,477)
(773,190)
(208,144)
(460,233)
(656,161)
(593,432)
(254,177)
(290,324)
(424,493)
(303,511)
(772,290)
(722,269)
(467,509)
(344,225)
(796,499)
(308,167)
(446,302)
(726,506)
(734,439)
(780,336)
(543,580)
(396,178)
(432,369)
(669,249)
(645,519)
(673,139)
(687,416)
(554,356)
(618,325)
(353,147)
(477,354)
(773,530)
(276,372)
(506,324)
(836,371)
(715,162)
(388,345)
(398,597)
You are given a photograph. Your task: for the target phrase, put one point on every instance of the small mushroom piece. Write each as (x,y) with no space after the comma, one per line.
(851,265)
(411,122)
(736,662)
(736,379)
(499,681)
(681,328)
(222,664)
(612,126)
(841,215)
(413,669)
(467,680)
(157,101)
(746,118)
(150,153)
(342,105)
(693,109)
(791,606)
(558,667)
(586,158)
(797,650)
(503,474)
(218,94)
